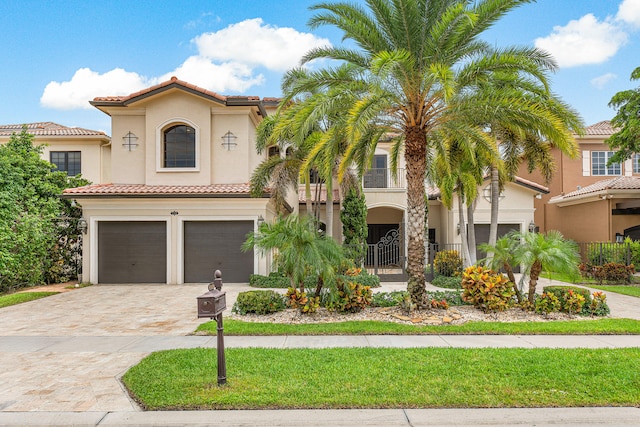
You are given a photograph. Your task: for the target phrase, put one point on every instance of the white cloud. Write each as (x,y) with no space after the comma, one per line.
(227,61)
(253,43)
(228,76)
(583,41)
(629,12)
(86,84)
(601,81)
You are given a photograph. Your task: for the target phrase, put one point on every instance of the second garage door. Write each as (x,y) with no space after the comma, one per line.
(215,245)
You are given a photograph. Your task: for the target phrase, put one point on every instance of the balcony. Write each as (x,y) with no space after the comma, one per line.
(384,179)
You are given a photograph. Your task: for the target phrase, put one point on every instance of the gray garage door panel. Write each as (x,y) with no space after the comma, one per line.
(215,245)
(132,252)
(482,235)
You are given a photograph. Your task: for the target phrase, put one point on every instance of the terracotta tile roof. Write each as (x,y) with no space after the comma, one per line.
(434,192)
(602,128)
(48,129)
(159,190)
(617,183)
(323,195)
(175,82)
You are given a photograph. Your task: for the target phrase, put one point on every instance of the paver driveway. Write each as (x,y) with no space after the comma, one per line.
(42,372)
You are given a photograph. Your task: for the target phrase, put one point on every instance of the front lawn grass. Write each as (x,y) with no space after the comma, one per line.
(12,299)
(369,327)
(631,290)
(260,378)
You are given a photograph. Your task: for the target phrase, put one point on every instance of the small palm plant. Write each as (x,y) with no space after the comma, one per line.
(302,249)
(501,256)
(546,252)
(536,252)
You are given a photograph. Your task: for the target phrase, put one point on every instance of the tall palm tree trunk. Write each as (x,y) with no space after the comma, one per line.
(495,199)
(471,208)
(534,274)
(415,159)
(466,258)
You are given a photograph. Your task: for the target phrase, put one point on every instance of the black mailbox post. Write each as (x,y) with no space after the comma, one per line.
(212,304)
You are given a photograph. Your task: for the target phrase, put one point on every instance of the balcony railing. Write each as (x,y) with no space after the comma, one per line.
(384,178)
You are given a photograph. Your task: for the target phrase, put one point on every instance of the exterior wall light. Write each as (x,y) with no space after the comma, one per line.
(130,141)
(532,227)
(82,225)
(229,140)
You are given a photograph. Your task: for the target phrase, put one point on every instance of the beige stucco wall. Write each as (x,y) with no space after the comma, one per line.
(129,209)
(148,118)
(593,227)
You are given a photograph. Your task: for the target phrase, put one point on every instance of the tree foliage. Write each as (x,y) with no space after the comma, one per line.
(34,221)
(354,225)
(627,139)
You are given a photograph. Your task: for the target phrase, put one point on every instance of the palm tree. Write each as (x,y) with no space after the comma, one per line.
(415,67)
(503,257)
(546,252)
(302,250)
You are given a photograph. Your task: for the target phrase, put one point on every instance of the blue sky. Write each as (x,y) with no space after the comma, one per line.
(60,54)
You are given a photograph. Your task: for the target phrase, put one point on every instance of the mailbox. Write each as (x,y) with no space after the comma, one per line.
(212,303)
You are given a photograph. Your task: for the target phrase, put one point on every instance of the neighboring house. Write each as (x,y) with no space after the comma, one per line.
(588,200)
(71,150)
(177,205)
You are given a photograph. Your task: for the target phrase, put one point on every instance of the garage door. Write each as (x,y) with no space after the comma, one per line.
(482,234)
(215,245)
(132,252)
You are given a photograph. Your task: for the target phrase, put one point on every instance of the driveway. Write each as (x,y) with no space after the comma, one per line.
(42,370)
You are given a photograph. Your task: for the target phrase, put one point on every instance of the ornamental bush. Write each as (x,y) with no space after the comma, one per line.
(599,306)
(562,291)
(610,272)
(348,297)
(547,303)
(258,302)
(300,300)
(448,263)
(486,289)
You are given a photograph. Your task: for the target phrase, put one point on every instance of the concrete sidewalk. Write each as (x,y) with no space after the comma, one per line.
(461,417)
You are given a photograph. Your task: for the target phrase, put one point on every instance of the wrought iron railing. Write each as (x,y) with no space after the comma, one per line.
(384,178)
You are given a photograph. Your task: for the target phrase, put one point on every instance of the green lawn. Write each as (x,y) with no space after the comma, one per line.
(586,327)
(387,378)
(12,299)
(631,290)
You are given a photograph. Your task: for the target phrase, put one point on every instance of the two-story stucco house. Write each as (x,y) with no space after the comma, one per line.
(173,204)
(590,201)
(177,204)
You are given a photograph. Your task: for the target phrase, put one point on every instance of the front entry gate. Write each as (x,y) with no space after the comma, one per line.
(387,258)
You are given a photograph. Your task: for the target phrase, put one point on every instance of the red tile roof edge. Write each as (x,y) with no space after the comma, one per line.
(158,190)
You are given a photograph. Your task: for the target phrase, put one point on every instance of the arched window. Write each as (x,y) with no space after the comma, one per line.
(179,149)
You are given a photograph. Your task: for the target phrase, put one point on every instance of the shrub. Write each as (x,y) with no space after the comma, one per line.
(387,299)
(561,291)
(548,303)
(348,297)
(447,263)
(273,280)
(447,282)
(486,289)
(441,304)
(599,306)
(573,302)
(258,302)
(610,272)
(452,298)
(299,300)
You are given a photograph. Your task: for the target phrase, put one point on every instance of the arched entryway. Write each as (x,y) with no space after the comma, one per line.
(386,251)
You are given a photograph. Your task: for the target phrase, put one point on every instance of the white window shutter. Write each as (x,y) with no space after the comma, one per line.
(628,167)
(586,163)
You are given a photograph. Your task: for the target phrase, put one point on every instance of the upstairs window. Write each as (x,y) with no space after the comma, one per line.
(636,163)
(179,147)
(599,166)
(66,161)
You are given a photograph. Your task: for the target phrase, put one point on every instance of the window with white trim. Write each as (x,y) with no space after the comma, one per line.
(636,163)
(599,166)
(179,147)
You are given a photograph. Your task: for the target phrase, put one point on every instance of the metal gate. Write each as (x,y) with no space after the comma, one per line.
(387,257)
